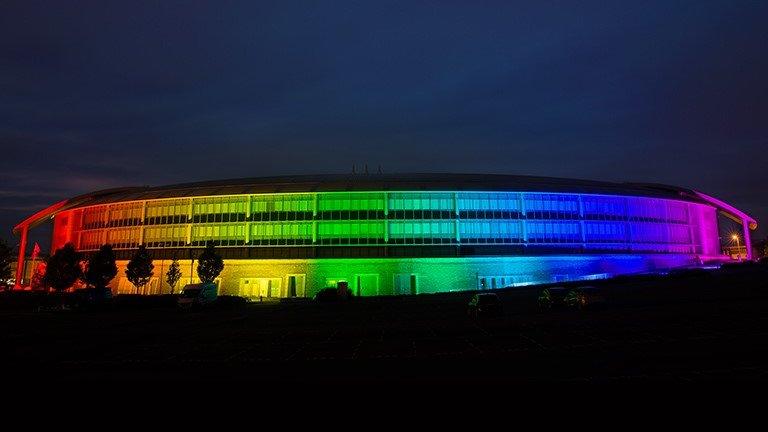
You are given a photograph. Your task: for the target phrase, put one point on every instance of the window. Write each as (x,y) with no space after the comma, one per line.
(167,212)
(165,236)
(125,214)
(281,233)
(551,206)
(123,238)
(605,232)
(350,232)
(476,205)
(480,231)
(219,234)
(95,217)
(266,208)
(219,209)
(553,232)
(91,240)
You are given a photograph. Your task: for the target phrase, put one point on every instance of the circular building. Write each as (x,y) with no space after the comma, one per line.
(396,233)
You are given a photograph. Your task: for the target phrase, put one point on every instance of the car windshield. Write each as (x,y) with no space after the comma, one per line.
(488,299)
(589,290)
(191,293)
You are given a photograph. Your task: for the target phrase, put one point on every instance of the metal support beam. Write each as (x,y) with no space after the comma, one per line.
(747,239)
(141,224)
(456,219)
(22,257)
(523,217)
(582,228)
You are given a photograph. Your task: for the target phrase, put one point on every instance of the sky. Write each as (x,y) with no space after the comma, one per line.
(99,94)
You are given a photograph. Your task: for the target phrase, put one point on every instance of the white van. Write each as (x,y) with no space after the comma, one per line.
(196,295)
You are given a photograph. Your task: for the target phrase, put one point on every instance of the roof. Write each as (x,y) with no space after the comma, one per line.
(381,182)
(377,182)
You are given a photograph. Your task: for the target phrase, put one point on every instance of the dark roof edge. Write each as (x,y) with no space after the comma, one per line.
(379,182)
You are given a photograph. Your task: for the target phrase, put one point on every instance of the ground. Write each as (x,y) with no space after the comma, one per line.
(692,332)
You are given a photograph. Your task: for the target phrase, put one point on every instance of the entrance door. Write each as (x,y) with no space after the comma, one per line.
(367,284)
(295,286)
(482,283)
(248,288)
(270,287)
(405,284)
(153,287)
(124,286)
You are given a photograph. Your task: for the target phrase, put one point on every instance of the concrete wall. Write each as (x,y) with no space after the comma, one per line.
(254,278)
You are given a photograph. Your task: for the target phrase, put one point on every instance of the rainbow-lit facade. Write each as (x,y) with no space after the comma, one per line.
(385,235)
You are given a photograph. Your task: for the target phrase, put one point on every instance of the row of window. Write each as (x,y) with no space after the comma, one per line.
(353,215)
(396,232)
(416,205)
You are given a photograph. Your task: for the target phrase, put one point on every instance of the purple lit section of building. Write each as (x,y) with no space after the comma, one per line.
(390,234)
(747,223)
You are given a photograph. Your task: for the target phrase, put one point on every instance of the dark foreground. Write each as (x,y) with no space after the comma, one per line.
(697,327)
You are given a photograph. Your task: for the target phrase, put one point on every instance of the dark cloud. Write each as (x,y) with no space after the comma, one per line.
(122,93)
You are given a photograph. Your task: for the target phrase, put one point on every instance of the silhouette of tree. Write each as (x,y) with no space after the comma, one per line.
(139,270)
(764,247)
(101,268)
(63,268)
(6,258)
(173,275)
(209,264)
(36,283)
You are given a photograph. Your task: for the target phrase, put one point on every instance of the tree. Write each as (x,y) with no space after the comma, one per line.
(101,268)
(209,264)
(139,269)
(173,275)
(36,283)
(6,259)
(63,268)
(761,247)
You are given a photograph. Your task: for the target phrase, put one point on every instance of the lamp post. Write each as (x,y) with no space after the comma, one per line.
(738,245)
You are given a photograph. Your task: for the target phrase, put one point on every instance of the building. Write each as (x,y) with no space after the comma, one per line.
(396,234)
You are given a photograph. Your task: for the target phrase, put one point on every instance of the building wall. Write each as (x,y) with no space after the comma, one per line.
(591,223)
(271,278)
(495,239)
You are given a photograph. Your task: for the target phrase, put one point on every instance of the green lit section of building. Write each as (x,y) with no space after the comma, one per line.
(396,234)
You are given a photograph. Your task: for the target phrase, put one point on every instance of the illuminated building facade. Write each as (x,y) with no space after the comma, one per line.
(396,234)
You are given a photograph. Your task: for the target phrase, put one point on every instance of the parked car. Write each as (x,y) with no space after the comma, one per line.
(553,298)
(198,295)
(89,298)
(331,294)
(485,305)
(585,297)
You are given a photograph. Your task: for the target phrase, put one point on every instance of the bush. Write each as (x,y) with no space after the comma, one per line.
(230,302)
(139,301)
(91,299)
(25,300)
(331,294)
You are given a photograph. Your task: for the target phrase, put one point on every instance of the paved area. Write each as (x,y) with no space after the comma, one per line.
(423,338)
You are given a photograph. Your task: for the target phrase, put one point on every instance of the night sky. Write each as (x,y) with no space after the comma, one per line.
(102,94)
